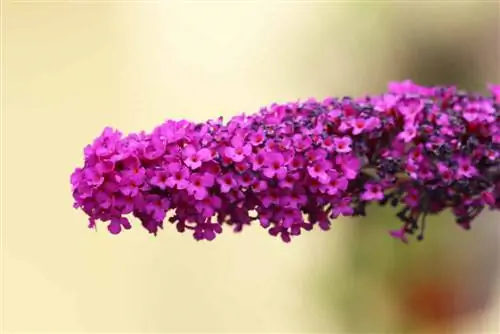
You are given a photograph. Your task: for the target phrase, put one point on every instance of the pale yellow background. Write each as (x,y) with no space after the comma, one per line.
(70,70)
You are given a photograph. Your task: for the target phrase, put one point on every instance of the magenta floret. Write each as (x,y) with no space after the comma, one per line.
(291,167)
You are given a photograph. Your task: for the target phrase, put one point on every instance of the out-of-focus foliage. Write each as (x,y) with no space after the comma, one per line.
(384,286)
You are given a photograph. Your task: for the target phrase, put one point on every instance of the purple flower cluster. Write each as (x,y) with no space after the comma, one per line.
(291,167)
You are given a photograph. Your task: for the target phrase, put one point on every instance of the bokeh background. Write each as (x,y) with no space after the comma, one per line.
(70,68)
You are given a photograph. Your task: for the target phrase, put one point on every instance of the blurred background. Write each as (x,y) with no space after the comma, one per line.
(73,67)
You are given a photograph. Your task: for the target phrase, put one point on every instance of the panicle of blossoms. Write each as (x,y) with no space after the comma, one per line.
(296,166)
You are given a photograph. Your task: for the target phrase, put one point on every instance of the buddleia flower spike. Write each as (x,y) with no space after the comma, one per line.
(296,166)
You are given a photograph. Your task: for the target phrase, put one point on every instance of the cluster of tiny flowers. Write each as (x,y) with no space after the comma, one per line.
(295,166)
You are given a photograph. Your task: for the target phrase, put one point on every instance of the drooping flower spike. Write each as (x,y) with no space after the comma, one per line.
(295,166)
